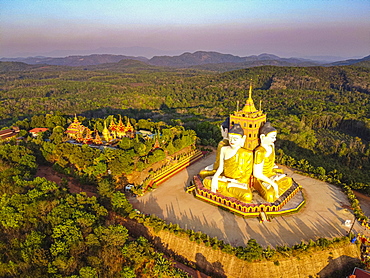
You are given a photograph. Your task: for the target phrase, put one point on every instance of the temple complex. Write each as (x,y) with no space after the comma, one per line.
(111,134)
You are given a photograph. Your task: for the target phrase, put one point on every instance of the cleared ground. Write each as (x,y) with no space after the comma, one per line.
(323,215)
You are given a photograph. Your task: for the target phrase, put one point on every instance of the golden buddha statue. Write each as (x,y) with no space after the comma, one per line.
(233,174)
(270,181)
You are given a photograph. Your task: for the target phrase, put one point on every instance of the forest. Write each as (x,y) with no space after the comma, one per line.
(322,113)
(47,232)
(322,116)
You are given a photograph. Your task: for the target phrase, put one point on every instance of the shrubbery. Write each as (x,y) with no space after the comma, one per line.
(251,252)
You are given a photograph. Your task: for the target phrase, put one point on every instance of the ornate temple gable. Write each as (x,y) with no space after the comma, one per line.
(97,140)
(112,126)
(75,129)
(250,119)
(121,128)
(129,127)
(87,138)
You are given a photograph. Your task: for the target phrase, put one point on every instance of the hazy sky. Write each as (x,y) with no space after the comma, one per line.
(240,27)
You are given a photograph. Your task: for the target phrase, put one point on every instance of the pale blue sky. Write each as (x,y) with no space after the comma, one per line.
(240,27)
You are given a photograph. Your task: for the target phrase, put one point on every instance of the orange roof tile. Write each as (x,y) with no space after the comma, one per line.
(38,129)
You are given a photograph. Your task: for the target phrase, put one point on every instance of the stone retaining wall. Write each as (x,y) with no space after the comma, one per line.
(219,264)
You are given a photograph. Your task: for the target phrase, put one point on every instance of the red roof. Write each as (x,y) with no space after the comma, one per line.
(3,137)
(38,129)
(360,273)
(6,131)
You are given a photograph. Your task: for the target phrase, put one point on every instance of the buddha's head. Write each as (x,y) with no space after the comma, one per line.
(268,134)
(225,128)
(236,136)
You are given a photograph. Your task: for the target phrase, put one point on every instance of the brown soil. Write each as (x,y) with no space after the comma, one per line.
(364,202)
(139,177)
(74,186)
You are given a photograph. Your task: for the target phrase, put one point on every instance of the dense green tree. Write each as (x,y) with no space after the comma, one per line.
(38,121)
(125,143)
(57,135)
(141,149)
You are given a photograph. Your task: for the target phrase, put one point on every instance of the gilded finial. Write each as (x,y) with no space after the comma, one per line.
(250,90)
(249,105)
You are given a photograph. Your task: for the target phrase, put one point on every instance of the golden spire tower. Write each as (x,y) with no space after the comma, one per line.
(120,128)
(75,129)
(112,127)
(250,119)
(129,127)
(97,140)
(249,105)
(106,134)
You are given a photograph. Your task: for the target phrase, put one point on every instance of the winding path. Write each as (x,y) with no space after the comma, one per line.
(74,186)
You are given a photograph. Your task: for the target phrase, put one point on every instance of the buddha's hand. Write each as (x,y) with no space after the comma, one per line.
(276,188)
(214,185)
(278,177)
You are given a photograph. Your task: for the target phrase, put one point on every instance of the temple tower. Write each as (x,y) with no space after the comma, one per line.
(120,128)
(129,127)
(97,140)
(113,127)
(250,119)
(75,129)
(106,134)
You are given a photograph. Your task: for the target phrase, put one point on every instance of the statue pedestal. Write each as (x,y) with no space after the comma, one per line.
(290,201)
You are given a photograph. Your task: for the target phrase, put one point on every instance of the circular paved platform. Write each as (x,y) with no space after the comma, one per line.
(322,216)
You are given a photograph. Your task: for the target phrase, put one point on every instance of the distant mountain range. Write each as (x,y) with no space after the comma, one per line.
(74,61)
(201,59)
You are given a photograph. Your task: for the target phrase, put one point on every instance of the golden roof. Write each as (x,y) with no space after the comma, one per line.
(129,127)
(112,125)
(249,105)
